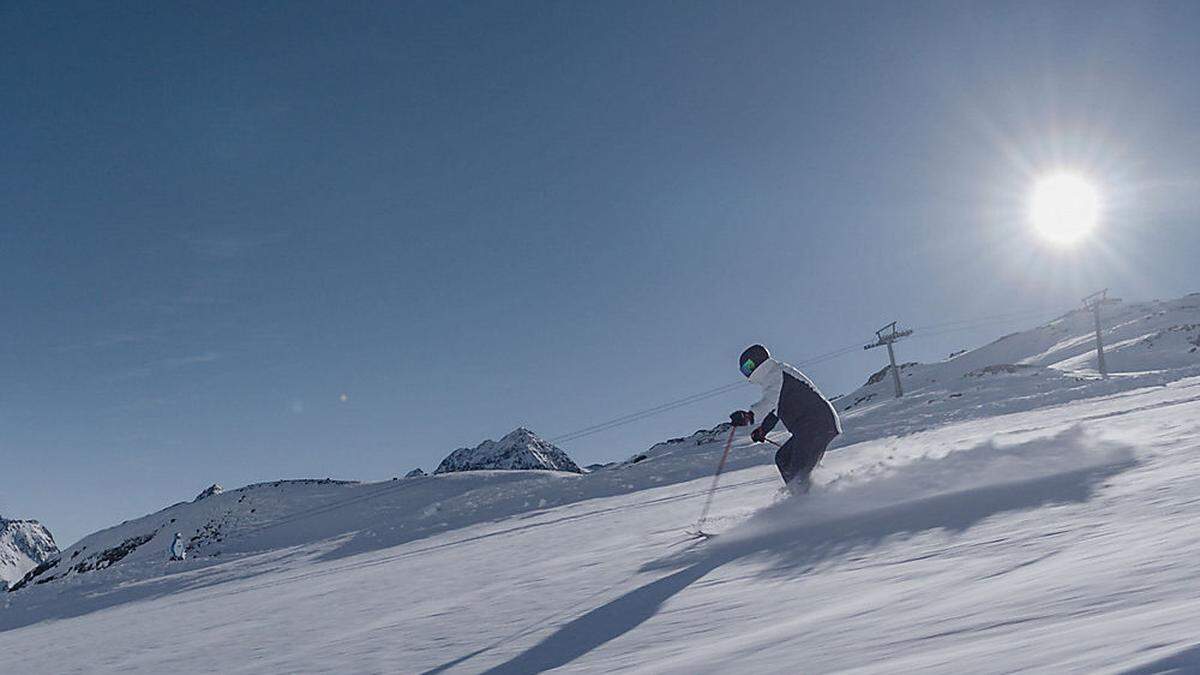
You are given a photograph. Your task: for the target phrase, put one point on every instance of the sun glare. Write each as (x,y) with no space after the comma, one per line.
(1064,208)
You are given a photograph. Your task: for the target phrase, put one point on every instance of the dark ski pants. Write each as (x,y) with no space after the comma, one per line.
(801,454)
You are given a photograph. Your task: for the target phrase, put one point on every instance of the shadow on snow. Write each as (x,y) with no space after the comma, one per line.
(796,549)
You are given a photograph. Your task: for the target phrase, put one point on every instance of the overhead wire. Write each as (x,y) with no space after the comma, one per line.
(993,317)
(980,323)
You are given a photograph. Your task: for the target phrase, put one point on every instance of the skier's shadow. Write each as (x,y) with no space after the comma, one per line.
(1186,661)
(795,550)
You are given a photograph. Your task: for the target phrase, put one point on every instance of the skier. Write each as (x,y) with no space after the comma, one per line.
(790,397)
(178,550)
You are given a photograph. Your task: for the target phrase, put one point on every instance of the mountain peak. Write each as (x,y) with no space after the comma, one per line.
(520,449)
(24,544)
(214,489)
(519,433)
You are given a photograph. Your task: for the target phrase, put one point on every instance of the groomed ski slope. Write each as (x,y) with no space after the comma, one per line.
(1061,539)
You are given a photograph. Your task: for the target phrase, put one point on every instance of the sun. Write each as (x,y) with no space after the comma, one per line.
(1064,208)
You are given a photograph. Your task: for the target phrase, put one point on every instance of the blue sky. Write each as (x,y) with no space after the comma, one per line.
(240,243)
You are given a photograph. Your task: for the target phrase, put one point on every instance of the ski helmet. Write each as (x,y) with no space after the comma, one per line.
(752,358)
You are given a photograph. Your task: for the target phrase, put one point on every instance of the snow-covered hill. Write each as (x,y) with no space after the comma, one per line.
(1012,513)
(520,449)
(24,544)
(1146,343)
(1139,337)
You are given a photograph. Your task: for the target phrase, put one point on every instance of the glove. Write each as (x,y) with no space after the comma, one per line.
(758,435)
(742,418)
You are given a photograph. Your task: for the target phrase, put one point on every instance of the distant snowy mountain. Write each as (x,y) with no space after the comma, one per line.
(214,489)
(24,544)
(520,449)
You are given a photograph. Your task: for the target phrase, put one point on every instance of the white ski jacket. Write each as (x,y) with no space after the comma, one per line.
(792,398)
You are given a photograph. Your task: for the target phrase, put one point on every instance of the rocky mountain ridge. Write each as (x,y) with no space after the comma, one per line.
(24,544)
(520,449)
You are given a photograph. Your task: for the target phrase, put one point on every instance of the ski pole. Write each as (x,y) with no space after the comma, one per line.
(716,477)
(778,445)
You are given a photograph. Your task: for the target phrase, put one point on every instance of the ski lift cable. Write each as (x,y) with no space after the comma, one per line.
(979,323)
(1031,313)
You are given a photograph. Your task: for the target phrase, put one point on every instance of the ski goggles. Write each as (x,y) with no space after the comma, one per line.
(748,367)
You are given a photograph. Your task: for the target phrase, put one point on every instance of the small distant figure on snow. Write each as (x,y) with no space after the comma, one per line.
(178,550)
(791,398)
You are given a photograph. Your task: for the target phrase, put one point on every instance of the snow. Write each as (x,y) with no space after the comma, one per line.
(24,544)
(1041,520)
(1147,344)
